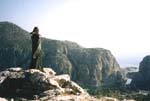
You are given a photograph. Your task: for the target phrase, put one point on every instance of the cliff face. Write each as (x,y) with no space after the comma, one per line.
(141,79)
(86,66)
(15,46)
(98,66)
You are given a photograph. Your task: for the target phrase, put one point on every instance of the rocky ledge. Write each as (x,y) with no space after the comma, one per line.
(32,84)
(17,84)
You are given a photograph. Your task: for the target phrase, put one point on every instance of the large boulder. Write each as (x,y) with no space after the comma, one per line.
(3,99)
(33,84)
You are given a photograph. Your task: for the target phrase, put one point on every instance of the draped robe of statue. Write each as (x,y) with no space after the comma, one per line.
(36,62)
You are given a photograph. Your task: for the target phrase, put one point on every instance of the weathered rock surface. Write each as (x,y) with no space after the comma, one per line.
(86,66)
(141,79)
(33,84)
(3,99)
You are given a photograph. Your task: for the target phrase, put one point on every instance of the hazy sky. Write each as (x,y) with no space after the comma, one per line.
(122,26)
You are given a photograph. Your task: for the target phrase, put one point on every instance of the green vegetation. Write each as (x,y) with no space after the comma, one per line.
(106,91)
(120,94)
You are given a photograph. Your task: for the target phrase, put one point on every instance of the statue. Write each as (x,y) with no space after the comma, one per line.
(36,62)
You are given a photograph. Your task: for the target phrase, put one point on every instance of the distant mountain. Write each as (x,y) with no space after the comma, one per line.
(141,79)
(89,67)
(15,48)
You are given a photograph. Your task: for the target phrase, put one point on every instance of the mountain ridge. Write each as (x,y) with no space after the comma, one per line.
(87,66)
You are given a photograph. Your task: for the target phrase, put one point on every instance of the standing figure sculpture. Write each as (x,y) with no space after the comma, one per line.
(36,62)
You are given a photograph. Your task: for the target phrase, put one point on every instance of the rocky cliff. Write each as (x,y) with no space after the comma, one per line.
(141,79)
(87,66)
(17,84)
(32,84)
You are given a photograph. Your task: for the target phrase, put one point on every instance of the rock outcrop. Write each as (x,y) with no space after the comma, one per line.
(128,72)
(141,79)
(89,67)
(32,84)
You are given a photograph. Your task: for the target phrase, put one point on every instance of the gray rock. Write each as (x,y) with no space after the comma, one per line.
(76,88)
(49,71)
(62,79)
(34,85)
(15,69)
(4,73)
(3,99)
(141,79)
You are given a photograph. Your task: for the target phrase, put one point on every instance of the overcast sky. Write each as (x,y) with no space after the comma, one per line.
(121,26)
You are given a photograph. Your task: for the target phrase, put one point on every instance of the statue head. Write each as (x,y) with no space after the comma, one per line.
(36,30)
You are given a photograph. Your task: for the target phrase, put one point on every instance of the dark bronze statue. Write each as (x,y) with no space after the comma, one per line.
(36,62)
